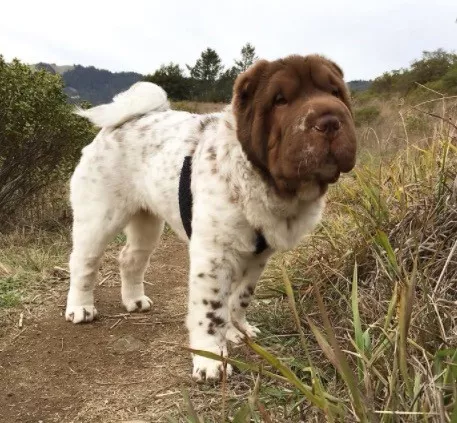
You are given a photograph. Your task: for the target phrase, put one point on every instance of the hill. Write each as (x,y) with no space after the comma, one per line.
(98,86)
(88,83)
(359,85)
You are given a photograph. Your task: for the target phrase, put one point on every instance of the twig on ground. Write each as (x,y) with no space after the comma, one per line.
(115,324)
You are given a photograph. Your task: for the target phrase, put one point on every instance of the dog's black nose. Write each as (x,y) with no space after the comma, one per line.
(329,124)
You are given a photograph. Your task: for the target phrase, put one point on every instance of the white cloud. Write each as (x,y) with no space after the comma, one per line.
(365,38)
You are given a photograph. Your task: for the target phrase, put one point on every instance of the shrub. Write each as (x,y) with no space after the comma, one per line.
(365,115)
(40,137)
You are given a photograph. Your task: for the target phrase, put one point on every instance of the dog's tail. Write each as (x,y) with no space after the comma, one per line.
(140,98)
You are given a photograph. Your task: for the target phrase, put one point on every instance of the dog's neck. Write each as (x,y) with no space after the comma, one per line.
(283,221)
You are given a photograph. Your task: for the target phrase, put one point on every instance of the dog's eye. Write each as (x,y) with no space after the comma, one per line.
(336,92)
(279,100)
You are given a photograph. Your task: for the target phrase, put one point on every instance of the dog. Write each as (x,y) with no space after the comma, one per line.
(237,185)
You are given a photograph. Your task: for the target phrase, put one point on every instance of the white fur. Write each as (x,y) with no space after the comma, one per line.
(139,99)
(128,179)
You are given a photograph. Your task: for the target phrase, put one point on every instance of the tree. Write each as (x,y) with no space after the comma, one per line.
(40,136)
(208,67)
(171,78)
(433,66)
(248,57)
(224,85)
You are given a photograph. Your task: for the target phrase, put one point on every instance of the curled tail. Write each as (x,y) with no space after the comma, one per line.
(140,98)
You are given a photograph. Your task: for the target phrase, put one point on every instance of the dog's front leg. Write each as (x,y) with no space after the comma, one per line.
(212,270)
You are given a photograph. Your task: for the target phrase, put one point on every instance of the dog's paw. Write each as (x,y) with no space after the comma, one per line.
(235,336)
(80,314)
(142,303)
(208,370)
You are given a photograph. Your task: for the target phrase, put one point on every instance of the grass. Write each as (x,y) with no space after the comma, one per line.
(360,322)
(10,293)
(30,260)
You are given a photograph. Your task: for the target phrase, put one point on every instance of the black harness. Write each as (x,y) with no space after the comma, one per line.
(185,205)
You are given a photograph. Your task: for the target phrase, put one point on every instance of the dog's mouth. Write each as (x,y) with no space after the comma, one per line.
(328,173)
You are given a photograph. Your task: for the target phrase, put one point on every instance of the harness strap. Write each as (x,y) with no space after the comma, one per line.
(185,195)
(186,201)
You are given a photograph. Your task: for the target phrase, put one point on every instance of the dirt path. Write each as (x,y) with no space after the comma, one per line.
(122,367)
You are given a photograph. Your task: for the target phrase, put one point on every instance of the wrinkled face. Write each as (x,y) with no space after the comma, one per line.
(294,121)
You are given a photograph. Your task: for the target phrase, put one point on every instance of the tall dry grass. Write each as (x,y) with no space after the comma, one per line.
(370,300)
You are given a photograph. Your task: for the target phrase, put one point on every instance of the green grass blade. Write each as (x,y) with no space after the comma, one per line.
(192,414)
(358,334)
(342,365)
(383,241)
(315,380)
(243,415)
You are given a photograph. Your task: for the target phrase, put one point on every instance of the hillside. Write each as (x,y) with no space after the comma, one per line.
(97,86)
(87,83)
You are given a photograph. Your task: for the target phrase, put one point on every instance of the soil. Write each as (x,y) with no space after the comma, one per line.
(122,367)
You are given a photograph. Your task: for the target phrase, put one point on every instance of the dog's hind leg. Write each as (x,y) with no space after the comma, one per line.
(94,225)
(143,233)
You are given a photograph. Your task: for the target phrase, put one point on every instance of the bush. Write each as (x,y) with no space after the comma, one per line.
(365,115)
(40,137)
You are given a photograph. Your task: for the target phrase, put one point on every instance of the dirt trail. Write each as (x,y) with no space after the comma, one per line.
(121,367)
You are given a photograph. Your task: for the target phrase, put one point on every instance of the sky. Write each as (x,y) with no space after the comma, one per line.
(365,37)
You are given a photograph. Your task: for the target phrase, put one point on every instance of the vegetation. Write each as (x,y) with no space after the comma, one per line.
(365,115)
(40,137)
(436,70)
(208,80)
(359,323)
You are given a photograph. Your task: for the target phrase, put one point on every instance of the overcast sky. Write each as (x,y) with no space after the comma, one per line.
(365,37)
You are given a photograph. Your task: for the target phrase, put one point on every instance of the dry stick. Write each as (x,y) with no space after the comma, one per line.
(115,324)
(454,247)
(21,319)
(18,335)
(437,99)
(105,279)
(447,120)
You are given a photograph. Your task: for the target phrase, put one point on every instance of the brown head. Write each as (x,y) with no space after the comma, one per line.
(294,121)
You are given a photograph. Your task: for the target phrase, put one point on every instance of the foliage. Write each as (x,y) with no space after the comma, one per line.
(208,66)
(208,80)
(171,78)
(248,57)
(40,137)
(365,115)
(436,66)
(370,334)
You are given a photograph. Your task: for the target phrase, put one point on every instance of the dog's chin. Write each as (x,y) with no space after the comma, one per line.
(327,174)
(312,185)
(329,179)
(322,178)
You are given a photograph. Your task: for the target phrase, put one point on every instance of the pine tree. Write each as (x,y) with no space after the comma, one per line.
(248,57)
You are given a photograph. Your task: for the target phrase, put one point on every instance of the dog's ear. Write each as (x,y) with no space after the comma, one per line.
(249,125)
(336,68)
(246,84)
(344,93)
